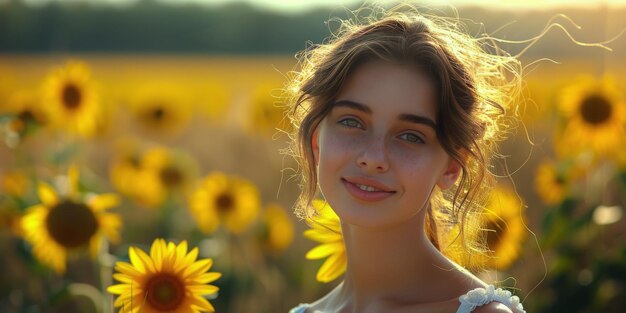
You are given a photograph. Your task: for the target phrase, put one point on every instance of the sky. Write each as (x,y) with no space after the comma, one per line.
(303,5)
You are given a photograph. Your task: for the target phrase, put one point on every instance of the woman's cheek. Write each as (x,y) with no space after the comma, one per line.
(343,142)
(411,159)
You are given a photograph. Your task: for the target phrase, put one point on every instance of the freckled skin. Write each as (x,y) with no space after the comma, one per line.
(404,156)
(378,133)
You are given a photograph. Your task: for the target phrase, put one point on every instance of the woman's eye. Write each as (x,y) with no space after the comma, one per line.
(411,137)
(350,122)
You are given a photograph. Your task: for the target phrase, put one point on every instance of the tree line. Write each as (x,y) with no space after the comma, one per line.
(239,28)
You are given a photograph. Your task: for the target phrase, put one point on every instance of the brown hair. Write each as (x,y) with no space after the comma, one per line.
(474,89)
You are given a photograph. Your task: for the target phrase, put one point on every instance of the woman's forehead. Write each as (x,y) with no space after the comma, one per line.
(384,86)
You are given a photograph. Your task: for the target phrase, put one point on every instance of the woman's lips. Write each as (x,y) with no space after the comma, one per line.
(378,193)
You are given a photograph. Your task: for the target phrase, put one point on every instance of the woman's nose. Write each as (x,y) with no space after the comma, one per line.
(374,156)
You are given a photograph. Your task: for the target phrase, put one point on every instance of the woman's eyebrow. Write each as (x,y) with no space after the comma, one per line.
(418,119)
(411,118)
(353,105)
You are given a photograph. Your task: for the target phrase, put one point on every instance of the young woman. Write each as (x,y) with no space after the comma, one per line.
(395,121)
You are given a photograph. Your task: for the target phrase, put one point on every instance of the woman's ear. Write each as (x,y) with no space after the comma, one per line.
(452,171)
(315,146)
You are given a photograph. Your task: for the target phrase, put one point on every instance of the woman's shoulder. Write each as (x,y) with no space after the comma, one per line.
(467,294)
(478,300)
(477,296)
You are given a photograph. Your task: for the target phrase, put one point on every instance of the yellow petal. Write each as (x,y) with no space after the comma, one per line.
(123,278)
(110,225)
(322,235)
(203,289)
(206,278)
(34,218)
(201,304)
(182,247)
(47,194)
(119,289)
(192,256)
(328,225)
(171,247)
(156,253)
(121,300)
(324,250)
(181,252)
(199,267)
(128,269)
(140,260)
(146,259)
(334,266)
(130,307)
(104,201)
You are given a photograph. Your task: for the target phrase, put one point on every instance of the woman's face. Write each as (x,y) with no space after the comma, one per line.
(377,154)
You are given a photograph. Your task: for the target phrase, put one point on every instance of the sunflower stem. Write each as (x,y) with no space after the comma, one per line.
(90,293)
(105,263)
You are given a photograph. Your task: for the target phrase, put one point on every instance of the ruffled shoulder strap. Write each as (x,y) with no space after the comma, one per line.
(481,296)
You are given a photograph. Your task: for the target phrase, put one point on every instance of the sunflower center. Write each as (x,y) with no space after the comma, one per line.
(165,292)
(560,180)
(225,202)
(71,224)
(27,116)
(171,177)
(71,96)
(158,113)
(21,121)
(495,229)
(134,161)
(596,109)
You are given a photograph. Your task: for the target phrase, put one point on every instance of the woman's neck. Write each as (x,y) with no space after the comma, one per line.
(395,265)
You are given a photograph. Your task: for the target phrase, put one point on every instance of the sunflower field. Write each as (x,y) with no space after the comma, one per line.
(157,182)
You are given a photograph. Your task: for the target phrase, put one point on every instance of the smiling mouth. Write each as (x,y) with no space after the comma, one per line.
(366,188)
(367,185)
(365,192)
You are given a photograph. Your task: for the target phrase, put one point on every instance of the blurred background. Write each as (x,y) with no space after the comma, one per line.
(157,102)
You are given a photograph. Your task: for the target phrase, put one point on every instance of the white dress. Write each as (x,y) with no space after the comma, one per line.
(469,301)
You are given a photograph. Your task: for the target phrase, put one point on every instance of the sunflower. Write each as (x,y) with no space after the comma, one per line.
(164,173)
(277,230)
(161,108)
(326,229)
(125,167)
(170,279)
(151,178)
(60,226)
(553,182)
(504,229)
(71,100)
(224,199)
(26,113)
(595,114)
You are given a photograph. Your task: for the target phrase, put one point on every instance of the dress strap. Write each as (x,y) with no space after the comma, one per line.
(481,296)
